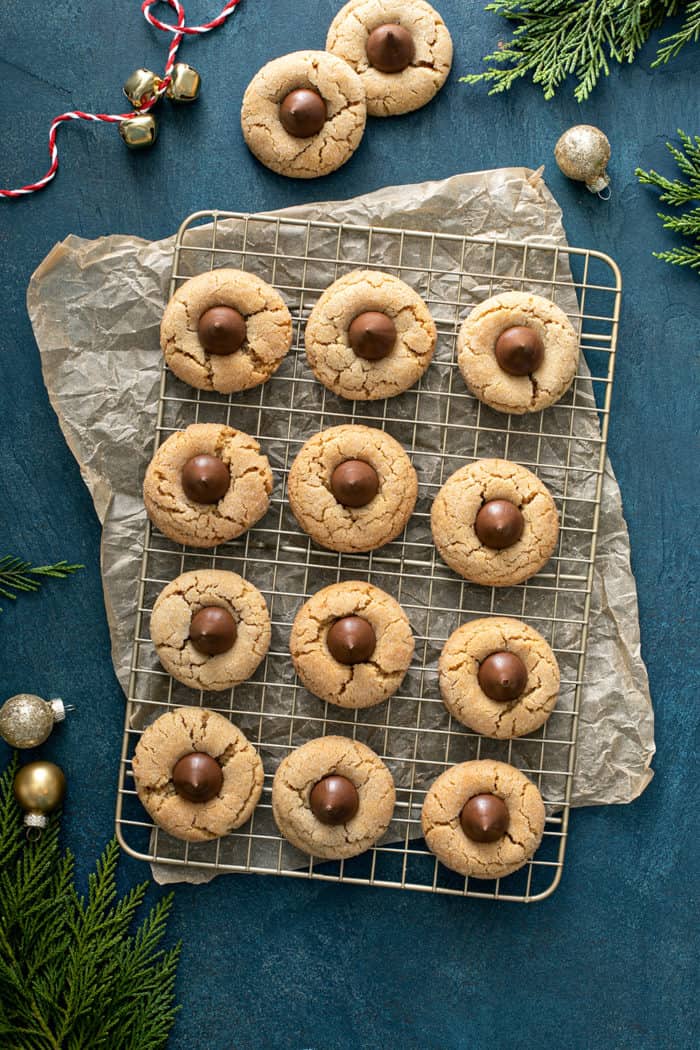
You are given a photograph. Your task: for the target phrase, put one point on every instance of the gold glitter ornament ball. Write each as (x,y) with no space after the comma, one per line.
(583,153)
(39,789)
(27,720)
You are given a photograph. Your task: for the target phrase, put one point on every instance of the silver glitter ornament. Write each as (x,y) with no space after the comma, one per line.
(27,720)
(582,153)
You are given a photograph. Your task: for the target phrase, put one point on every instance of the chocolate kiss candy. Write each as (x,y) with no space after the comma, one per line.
(484,818)
(503,676)
(303,113)
(221,330)
(334,800)
(205,479)
(519,350)
(213,630)
(499,524)
(372,335)
(354,483)
(351,640)
(390,48)
(197,777)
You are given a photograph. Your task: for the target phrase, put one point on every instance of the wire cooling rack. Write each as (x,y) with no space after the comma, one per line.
(442,427)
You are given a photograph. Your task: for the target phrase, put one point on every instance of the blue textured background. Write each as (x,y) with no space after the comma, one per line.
(610,961)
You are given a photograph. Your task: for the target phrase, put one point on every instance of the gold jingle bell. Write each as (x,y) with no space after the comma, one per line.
(39,789)
(141,87)
(140,131)
(184,84)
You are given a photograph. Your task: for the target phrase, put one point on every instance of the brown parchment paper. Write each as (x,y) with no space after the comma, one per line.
(95,307)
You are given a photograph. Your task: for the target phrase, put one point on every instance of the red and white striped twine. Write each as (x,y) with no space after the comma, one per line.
(179,31)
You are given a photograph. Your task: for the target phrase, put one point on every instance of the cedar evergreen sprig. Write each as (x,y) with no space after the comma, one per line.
(554,39)
(72,974)
(679,193)
(18,576)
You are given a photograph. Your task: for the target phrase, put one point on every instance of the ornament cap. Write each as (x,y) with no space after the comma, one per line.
(58,708)
(35,820)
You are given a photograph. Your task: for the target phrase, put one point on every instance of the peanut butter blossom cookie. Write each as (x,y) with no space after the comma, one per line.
(495,523)
(196,774)
(304,114)
(351,644)
(484,819)
(370,336)
(518,352)
(333,797)
(352,488)
(499,677)
(207,484)
(210,629)
(401,50)
(226,330)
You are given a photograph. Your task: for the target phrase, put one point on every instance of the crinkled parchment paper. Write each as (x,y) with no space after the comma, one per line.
(96,307)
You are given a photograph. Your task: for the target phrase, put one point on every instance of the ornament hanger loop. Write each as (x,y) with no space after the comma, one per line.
(605,194)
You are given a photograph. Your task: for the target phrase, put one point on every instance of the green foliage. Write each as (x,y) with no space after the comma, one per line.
(17,575)
(554,39)
(72,974)
(680,192)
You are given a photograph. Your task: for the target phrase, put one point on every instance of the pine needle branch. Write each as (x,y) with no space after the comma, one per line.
(555,39)
(73,971)
(680,192)
(18,576)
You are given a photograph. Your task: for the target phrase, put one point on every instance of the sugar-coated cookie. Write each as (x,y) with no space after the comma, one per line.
(304,114)
(370,336)
(518,352)
(226,330)
(501,828)
(401,50)
(495,523)
(333,797)
(351,644)
(196,774)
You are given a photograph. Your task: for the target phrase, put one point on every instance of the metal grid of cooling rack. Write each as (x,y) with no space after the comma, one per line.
(442,427)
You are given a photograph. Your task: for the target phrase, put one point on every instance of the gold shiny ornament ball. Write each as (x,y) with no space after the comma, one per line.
(39,789)
(139,132)
(582,153)
(27,720)
(141,87)
(184,84)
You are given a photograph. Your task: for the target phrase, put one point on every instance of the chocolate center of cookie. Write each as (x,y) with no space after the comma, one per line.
(372,335)
(213,630)
(197,777)
(484,818)
(205,479)
(354,483)
(221,330)
(519,350)
(334,800)
(351,640)
(303,113)
(503,676)
(499,524)
(390,48)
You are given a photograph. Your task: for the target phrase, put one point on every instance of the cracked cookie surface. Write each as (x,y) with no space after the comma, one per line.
(352,529)
(206,525)
(362,684)
(462,694)
(297,774)
(268,331)
(170,628)
(483,860)
(455,509)
(390,94)
(481,371)
(176,734)
(335,363)
(304,158)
